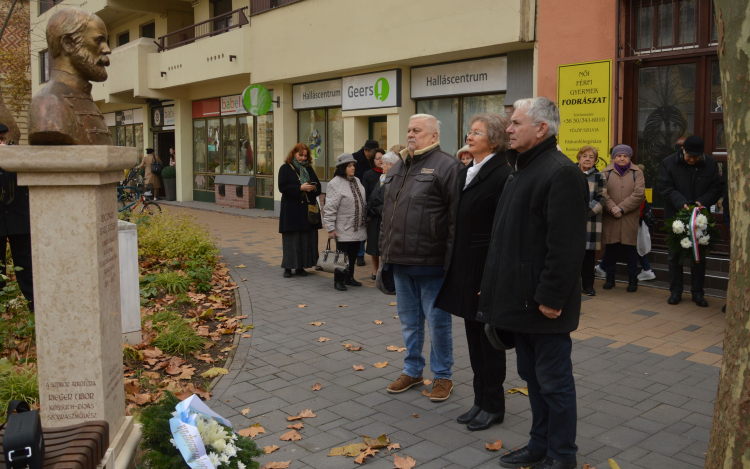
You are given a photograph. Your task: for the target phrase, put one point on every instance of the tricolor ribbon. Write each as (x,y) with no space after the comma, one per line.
(694,233)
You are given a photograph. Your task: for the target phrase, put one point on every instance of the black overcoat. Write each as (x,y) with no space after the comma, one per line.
(474,212)
(293,216)
(370,180)
(538,243)
(362,165)
(680,183)
(14,206)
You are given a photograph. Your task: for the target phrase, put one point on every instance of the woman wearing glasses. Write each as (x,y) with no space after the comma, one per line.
(625,193)
(479,187)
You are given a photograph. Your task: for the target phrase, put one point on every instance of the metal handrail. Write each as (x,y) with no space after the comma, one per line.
(216,25)
(260,6)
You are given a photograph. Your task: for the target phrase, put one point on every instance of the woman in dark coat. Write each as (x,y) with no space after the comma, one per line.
(375,209)
(299,187)
(371,178)
(480,186)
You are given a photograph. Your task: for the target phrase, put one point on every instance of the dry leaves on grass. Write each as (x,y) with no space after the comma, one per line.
(291,435)
(276,465)
(351,450)
(378,322)
(139,399)
(270,449)
(380,364)
(395,348)
(352,348)
(524,391)
(252,431)
(363,455)
(323,339)
(307,413)
(317,387)
(296,426)
(213,372)
(494,446)
(358,367)
(403,463)
(316,323)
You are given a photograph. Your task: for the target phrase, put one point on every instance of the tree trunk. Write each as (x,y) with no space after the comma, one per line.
(729,447)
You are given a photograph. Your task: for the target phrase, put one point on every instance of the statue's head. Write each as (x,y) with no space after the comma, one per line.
(79,38)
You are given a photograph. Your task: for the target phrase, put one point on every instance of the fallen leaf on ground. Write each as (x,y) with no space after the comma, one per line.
(427,382)
(378,322)
(393,446)
(380,442)
(395,348)
(380,364)
(291,435)
(132,386)
(358,367)
(241,266)
(276,465)
(613,464)
(252,431)
(130,409)
(246,336)
(307,413)
(317,323)
(351,450)
(244,280)
(227,349)
(403,463)
(296,426)
(213,372)
(302,306)
(416,416)
(587,466)
(524,391)
(395,317)
(155,353)
(323,339)
(494,446)
(392,304)
(363,455)
(352,348)
(246,411)
(139,399)
(270,449)
(316,387)
(426,393)
(342,306)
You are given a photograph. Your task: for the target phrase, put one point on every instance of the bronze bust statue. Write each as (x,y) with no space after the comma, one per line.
(63,113)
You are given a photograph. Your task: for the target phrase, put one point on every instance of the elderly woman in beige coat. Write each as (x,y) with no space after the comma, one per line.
(626,189)
(149,177)
(344,214)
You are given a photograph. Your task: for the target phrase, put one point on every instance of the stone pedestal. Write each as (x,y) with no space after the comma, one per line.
(73,198)
(130,294)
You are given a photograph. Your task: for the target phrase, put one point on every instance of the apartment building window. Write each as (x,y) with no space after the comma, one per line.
(45,5)
(323,131)
(149,30)
(123,38)
(44,66)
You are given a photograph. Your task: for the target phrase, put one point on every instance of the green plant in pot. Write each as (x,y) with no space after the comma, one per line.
(169,175)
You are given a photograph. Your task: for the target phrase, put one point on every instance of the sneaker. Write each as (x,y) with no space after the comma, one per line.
(441,390)
(646,275)
(148,194)
(599,273)
(403,383)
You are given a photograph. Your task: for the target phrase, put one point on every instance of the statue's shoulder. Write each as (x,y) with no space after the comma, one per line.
(50,116)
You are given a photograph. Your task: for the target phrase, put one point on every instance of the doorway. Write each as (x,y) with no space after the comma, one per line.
(379,130)
(164,141)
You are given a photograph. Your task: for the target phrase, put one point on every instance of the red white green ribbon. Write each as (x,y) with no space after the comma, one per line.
(693,233)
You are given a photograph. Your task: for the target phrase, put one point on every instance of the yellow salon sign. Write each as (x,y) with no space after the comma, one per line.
(583,94)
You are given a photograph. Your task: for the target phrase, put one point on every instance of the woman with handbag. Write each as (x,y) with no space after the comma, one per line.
(151,162)
(344,214)
(299,220)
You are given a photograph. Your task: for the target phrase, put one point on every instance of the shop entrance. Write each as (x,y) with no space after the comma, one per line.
(379,130)
(163,141)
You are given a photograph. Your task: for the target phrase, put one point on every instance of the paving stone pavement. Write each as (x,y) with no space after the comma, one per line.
(644,409)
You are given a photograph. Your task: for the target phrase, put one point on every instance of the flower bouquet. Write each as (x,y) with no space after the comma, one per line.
(692,232)
(187,434)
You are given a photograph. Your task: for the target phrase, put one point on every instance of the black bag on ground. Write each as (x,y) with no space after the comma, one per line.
(23,442)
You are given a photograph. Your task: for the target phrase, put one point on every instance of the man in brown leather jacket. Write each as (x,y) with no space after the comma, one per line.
(417,224)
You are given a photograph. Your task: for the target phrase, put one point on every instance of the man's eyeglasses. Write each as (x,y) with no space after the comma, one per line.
(475,133)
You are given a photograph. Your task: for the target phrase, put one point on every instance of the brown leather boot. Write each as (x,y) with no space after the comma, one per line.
(403,383)
(441,390)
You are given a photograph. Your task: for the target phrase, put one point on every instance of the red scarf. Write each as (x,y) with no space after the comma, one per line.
(378,170)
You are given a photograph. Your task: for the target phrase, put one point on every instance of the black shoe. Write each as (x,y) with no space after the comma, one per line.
(339,286)
(523,457)
(339,277)
(287,273)
(469,416)
(319,268)
(360,261)
(373,277)
(485,420)
(589,291)
(550,463)
(352,282)
(632,284)
(301,272)
(674,298)
(700,301)
(610,282)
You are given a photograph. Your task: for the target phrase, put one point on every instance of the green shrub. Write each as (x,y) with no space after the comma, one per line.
(175,235)
(201,274)
(168,173)
(178,338)
(17,384)
(171,282)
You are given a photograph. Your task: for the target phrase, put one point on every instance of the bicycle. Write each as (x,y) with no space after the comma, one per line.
(131,196)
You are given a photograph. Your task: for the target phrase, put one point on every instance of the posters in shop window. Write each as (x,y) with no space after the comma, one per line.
(584,93)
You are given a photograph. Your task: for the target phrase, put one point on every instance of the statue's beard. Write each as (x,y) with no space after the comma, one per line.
(90,67)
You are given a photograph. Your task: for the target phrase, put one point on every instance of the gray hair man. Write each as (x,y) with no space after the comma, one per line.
(532,282)
(417,223)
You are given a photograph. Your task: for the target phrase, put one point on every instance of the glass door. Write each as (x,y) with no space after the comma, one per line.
(379,131)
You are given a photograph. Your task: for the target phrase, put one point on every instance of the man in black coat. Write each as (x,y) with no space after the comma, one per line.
(688,177)
(532,280)
(15,227)
(363,165)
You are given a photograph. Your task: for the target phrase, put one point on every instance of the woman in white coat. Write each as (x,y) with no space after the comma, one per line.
(344,214)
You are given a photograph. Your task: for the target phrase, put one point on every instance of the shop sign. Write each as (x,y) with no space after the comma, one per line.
(231,105)
(372,90)
(317,94)
(124,117)
(162,116)
(206,108)
(459,78)
(584,97)
(257,100)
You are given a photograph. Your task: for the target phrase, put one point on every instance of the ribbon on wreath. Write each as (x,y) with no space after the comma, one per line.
(185,433)
(694,233)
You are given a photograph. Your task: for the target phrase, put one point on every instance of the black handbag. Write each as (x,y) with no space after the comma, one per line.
(156,168)
(500,339)
(23,442)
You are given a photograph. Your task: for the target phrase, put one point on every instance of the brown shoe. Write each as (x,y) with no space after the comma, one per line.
(403,383)
(441,390)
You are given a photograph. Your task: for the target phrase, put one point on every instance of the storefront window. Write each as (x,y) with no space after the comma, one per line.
(264,187)
(312,132)
(199,145)
(264,150)
(446,111)
(229,145)
(139,138)
(120,137)
(470,105)
(335,138)
(214,145)
(245,158)
(129,137)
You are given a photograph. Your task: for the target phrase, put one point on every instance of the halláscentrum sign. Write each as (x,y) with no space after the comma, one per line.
(317,94)
(466,77)
(372,90)
(257,100)
(584,96)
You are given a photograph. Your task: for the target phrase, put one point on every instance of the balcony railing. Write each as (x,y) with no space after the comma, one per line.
(216,25)
(259,6)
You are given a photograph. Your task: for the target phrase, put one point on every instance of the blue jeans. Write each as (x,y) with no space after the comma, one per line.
(645,262)
(361,249)
(415,296)
(544,363)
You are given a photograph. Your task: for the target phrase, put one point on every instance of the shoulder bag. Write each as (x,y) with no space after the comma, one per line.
(330,260)
(23,442)
(313,211)
(156,167)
